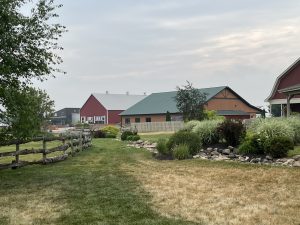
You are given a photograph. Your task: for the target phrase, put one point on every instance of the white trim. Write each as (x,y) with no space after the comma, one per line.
(106,116)
(279,77)
(284,101)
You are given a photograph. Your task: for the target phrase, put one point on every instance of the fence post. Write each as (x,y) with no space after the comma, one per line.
(44,150)
(64,142)
(80,141)
(17,152)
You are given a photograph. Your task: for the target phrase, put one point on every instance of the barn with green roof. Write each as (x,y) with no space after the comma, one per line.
(222,99)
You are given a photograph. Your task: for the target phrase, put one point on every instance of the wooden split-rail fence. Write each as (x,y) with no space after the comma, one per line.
(72,143)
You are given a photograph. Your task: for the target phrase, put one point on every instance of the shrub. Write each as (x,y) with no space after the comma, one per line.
(110,136)
(99,134)
(162,147)
(181,151)
(212,115)
(207,131)
(278,147)
(192,140)
(191,124)
(110,130)
(232,131)
(294,123)
(252,144)
(273,127)
(125,134)
(133,138)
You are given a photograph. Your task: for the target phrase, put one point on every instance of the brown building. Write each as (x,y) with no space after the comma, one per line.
(221,99)
(285,95)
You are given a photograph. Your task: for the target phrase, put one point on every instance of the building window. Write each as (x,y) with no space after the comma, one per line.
(127,120)
(137,120)
(82,119)
(148,119)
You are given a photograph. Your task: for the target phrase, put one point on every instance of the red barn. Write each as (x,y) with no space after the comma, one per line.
(105,108)
(285,96)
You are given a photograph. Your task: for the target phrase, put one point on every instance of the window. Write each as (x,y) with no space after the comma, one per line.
(127,120)
(82,119)
(148,119)
(137,120)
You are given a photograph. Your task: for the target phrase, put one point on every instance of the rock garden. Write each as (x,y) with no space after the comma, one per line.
(262,141)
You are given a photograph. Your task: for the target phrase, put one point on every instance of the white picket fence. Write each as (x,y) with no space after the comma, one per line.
(158,126)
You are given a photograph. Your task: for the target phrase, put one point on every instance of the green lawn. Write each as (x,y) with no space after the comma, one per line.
(296,151)
(114,184)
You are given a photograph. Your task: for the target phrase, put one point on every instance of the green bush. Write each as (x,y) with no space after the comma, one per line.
(110,136)
(191,124)
(252,144)
(98,134)
(181,152)
(212,115)
(272,127)
(125,134)
(110,131)
(294,123)
(162,147)
(207,131)
(192,140)
(233,131)
(278,147)
(133,138)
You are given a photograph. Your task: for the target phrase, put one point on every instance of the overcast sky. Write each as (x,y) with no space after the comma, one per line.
(155,45)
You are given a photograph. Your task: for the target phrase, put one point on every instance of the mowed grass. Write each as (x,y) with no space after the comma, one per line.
(114,184)
(90,188)
(294,152)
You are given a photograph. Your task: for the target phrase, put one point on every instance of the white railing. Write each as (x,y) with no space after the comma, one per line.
(157,126)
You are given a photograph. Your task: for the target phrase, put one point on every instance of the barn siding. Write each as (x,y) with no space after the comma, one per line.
(92,108)
(290,79)
(114,117)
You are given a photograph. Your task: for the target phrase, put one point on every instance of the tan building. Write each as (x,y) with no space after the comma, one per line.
(221,99)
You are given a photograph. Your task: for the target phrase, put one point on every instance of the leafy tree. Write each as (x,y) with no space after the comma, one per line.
(26,112)
(168,116)
(28,42)
(190,102)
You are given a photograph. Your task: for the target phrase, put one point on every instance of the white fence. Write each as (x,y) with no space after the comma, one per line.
(158,126)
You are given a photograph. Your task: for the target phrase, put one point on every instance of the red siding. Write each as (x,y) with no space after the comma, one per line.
(290,79)
(113,116)
(92,107)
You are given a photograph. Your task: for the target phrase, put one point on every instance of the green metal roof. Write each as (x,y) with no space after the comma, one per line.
(160,103)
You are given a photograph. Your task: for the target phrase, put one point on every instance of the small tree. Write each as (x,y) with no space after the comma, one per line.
(190,102)
(26,113)
(168,116)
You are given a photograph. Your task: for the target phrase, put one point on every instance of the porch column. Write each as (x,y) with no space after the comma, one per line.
(288,106)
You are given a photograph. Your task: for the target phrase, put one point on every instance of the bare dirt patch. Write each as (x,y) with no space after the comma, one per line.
(221,194)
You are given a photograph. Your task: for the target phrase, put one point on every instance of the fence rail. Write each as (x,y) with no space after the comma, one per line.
(158,126)
(76,141)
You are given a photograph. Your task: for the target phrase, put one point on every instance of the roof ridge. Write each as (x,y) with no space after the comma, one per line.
(196,88)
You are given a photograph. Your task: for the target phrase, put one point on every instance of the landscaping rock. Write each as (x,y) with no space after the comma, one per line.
(231,156)
(226,151)
(215,153)
(255,160)
(296,157)
(209,149)
(230,148)
(268,157)
(296,164)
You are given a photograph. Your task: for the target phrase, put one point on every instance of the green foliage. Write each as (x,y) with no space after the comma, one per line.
(181,152)
(82,125)
(162,147)
(110,131)
(125,134)
(110,135)
(133,137)
(189,126)
(294,123)
(27,111)
(233,131)
(99,134)
(252,144)
(190,102)
(207,131)
(212,115)
(192,140)
(29,43)
(272,127)
(278,147)
(168,116)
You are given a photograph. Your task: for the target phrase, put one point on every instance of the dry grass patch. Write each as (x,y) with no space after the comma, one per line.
(32,208)
(218,193)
